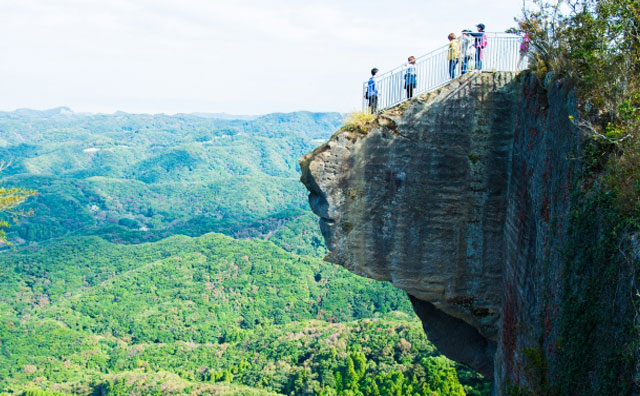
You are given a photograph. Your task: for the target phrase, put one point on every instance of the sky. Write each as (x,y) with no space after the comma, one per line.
(233,56)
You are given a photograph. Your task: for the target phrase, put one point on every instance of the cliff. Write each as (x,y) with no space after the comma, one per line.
(471,200)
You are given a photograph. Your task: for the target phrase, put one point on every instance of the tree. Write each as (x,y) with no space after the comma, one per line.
(595,45)
(9,199)
(442,378)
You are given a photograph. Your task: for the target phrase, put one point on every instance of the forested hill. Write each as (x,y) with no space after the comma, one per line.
(133,177)
(206,315)
(121,283)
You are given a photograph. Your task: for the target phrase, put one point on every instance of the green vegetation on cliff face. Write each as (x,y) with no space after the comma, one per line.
(597,293)
(595,49)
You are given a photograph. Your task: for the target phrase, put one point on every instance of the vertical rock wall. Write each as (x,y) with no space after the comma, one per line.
(545,162)
(568,317)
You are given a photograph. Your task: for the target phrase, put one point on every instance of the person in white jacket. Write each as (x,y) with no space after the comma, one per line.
(467,50)
(410,79)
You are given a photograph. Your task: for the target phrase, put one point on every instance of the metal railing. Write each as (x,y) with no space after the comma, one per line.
(432,70)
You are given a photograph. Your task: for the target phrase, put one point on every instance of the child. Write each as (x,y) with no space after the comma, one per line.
(372,91)
(452,54)
(410,80)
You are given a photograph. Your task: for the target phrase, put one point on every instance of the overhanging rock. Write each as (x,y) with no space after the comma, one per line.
(419,200)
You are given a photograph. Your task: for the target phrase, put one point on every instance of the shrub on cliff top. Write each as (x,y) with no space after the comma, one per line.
(358,121)
(596,44)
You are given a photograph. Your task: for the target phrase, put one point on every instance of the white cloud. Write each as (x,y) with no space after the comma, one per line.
(245,56)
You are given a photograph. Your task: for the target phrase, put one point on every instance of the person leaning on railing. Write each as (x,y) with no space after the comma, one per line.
(453,53)
(410,80)
(480,44)
(372,92)
(467,50)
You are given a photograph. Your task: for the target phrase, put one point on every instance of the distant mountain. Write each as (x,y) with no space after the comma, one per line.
(57,112)
(139,177)
(224,116)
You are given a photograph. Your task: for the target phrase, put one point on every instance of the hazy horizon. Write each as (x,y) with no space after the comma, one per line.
(197,56)
(203,114)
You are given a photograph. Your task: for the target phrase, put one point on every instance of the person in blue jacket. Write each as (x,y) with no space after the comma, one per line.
(372,91)
(410,80)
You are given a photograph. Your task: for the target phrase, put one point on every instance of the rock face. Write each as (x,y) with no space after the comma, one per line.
(462,198)
(420,201)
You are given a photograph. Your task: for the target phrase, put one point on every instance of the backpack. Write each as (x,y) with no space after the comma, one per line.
(370,84)
(410,80)
(481,41)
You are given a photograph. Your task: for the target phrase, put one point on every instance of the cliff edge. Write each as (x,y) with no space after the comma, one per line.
(464,198)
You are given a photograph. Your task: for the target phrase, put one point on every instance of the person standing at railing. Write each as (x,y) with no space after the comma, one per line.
(480,44)
(410,79)
(453,53)
(372,92)
(467,50)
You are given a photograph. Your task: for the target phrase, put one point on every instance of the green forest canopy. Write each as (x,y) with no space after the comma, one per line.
(118,287)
